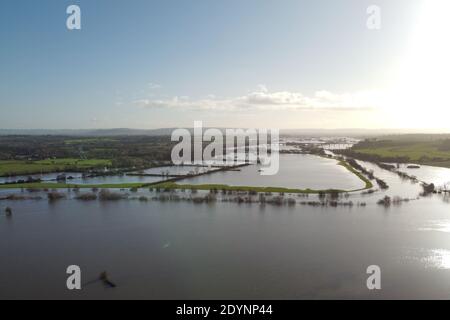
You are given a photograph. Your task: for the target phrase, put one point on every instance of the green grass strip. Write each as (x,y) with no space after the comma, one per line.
(346,165)
(173,185)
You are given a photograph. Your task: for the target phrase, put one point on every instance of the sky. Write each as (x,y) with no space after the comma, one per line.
(253,63)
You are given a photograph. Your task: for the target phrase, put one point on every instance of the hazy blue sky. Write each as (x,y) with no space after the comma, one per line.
(150,64)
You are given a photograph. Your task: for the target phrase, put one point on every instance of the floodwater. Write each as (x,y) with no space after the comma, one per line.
(438,176)
(44,177)
(78,179)
(115,180)
(176,170)
(297,171)
(222,250)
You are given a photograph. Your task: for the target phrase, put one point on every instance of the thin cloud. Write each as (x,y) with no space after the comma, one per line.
(262,99)
(154,86)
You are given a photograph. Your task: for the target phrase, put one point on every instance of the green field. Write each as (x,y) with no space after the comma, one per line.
(88,141)
(415,152)
(19,167)
(432,152)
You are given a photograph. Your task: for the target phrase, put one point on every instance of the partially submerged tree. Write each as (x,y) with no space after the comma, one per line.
(428,188)
(54,195)
(8,212)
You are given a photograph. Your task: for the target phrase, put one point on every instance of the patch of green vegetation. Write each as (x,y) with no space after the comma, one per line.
(410,149)
(123,151)
(86,163)
(88,140)
(368,183)
(23,167)
(414,153)
(76,162)
(444,164)
(173,186)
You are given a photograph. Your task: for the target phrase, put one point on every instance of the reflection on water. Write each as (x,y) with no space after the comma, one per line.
(439,258)
(439,225)
(428,258)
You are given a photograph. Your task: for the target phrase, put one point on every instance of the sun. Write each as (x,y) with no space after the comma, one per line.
(420,96)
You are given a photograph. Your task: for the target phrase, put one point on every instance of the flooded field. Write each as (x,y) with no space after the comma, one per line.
(296,171)
(438,176)
(116,179)
(76,178)
(44,177)
(176,170)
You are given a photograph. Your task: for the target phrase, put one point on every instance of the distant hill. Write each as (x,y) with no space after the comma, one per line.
(356,132)
(168,131)
(88,132)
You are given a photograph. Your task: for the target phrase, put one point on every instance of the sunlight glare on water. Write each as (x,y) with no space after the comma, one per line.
(439,258)
(440,226)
